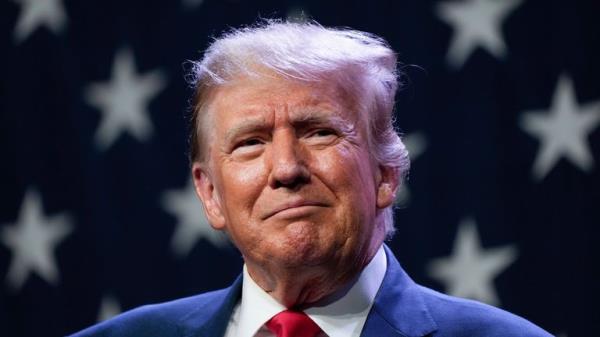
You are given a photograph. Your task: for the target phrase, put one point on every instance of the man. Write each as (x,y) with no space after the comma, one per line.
(295,157)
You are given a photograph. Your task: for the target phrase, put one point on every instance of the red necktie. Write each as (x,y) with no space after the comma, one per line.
(290,323)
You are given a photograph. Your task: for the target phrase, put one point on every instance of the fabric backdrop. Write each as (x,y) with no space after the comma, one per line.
(500,110)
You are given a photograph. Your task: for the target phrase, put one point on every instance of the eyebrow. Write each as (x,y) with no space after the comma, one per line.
(303,117)
(309,116)
(252,124)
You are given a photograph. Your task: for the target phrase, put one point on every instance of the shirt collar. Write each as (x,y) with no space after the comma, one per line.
(256,308)
(342,318)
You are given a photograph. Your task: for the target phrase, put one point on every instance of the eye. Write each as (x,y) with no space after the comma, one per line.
(321,136)
(249,142)
(322,133)
(248,146)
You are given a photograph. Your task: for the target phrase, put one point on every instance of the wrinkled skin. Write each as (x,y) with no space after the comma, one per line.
(288,175)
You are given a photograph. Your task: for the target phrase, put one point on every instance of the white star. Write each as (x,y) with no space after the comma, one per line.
(416,143)
(470,271)
(476,23)
(108,308)
(35,13)
(562,130)
(32,241)
(124,100)
(191,221)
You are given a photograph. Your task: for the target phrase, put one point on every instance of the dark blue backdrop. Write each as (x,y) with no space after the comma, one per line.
(500,109)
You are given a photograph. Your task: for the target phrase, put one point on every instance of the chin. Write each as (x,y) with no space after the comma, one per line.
(303,246)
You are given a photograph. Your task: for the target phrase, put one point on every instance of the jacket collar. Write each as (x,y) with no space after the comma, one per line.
(399,309)
(211,316)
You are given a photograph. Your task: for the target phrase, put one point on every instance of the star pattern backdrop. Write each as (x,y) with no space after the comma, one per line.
(500,110)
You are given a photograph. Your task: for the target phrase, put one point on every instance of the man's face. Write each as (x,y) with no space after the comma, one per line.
(289,176)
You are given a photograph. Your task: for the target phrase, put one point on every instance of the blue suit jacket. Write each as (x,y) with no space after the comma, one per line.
(402,308)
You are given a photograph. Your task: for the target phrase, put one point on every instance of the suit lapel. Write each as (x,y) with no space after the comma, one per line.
(211,316)
(377,326)
(399,309)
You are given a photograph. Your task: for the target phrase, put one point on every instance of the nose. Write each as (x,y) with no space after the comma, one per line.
(289,168)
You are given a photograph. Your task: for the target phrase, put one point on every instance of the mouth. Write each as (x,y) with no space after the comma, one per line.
(295,209)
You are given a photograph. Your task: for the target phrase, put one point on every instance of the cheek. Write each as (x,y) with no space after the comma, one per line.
(242,184)
(347,171)
(351,163)
(247,174)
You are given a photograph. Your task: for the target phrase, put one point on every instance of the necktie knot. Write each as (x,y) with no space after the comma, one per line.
(291,323)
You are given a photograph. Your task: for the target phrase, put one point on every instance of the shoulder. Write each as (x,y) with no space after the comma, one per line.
(155,319)
(461,317)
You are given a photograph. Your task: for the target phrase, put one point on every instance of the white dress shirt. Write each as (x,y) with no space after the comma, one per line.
(343,317)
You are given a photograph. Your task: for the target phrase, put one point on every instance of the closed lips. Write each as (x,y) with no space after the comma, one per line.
(292,205)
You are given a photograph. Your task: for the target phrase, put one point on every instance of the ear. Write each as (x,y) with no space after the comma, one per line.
(387,187)
(205,189)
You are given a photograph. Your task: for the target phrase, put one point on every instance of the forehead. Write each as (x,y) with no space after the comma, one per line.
(276,97)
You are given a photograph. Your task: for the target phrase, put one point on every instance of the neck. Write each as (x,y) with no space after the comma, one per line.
(300,287)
